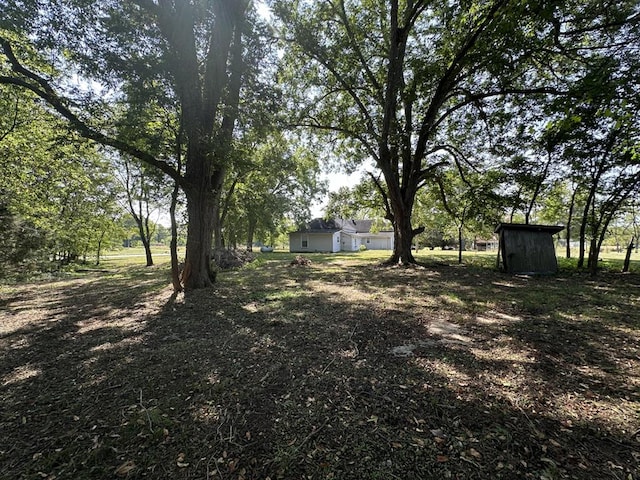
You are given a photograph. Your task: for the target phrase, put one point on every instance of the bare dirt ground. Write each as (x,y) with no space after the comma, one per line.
(338,369)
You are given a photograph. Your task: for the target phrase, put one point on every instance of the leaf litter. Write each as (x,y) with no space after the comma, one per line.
(132,382)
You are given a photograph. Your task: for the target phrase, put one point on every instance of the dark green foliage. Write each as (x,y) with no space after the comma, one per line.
(22,245)
(416,86)
(159,81)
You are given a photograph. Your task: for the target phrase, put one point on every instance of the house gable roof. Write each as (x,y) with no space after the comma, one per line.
(356,226)
(319,225)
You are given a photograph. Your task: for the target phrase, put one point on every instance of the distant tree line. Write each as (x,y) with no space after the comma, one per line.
(472,111)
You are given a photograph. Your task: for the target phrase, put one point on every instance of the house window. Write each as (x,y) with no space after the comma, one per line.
(305,241)
(368,240)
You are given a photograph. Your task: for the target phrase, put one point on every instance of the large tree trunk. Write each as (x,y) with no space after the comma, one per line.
(402,253)
(400,201)
(403,234)
(204,101)
(197,271)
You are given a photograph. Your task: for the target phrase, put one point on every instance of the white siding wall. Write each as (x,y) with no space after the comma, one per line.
(316,242)
(380,241)
(349,243)
(335,242)
(335,245)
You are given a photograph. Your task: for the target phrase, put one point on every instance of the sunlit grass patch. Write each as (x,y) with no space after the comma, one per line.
(124,257)
(339,369)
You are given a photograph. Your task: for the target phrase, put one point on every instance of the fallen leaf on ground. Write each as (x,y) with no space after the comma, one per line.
(474,453)
(180,461)
(417,442)
(124,469)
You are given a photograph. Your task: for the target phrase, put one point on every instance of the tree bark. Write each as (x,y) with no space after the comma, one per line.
(147,247)
(627,257)
(251,229)
(403,238)
(173,246)
(594,253)
(197,271)
(583,227)
(99,249)
(569,220)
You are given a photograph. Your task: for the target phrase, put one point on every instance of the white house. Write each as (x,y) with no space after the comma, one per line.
(339,235)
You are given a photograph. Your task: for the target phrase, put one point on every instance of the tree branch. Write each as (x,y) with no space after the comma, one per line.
(385,197)
(14,121)
(443,197)
(42,88)
(348,87)
(603,26)
(350,133)
(472,98)
(426,172)
(363,63)
(448,80)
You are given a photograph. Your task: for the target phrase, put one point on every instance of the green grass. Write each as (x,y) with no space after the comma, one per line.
(287,372)
(610,260)
(123,257)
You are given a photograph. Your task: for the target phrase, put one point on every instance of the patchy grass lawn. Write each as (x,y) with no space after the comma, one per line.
(340,369)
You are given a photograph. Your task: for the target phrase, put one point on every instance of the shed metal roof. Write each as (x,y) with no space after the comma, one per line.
(551,229)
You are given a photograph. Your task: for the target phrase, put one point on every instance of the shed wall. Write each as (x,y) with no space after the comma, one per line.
(528,252)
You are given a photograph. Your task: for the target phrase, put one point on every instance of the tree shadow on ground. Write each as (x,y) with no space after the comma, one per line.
(287,372)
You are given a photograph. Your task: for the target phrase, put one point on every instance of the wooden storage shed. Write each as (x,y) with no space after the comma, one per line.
(527,249)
